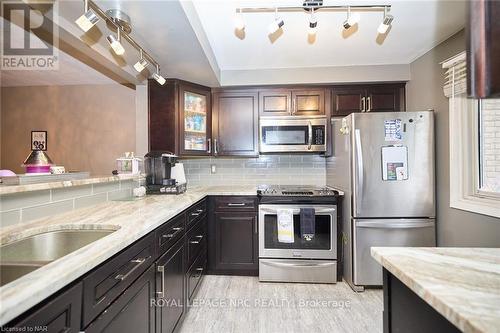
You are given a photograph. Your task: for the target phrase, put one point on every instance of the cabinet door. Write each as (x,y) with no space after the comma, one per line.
(170,288)
(236,242)
(276,102)
(61,314)
(347,100)
(236,124)
(133,311)
(385,98)
(196,121)
(308,102)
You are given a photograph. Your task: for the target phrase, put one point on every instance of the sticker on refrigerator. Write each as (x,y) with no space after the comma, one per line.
(392,130)
(394,163)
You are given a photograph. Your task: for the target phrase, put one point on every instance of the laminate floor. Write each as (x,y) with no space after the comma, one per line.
(243,304)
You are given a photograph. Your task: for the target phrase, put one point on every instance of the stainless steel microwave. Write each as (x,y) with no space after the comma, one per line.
(292,134)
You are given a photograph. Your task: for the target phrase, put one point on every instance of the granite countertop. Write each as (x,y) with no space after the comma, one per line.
(462,284)
(131,220)
(9,189)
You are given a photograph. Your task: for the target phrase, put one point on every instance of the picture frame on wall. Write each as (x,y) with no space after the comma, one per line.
(39,140)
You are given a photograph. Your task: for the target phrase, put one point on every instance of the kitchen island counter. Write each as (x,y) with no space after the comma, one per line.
(461,284)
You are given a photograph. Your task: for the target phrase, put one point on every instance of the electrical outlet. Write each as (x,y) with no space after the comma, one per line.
(213,168)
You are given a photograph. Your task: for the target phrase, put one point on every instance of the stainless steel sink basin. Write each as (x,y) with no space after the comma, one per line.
(28,254)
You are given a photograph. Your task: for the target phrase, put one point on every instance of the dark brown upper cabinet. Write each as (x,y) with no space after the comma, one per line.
(275,102)
(292,102)
(483,49)
(235,123)
(368,98)
(180,118)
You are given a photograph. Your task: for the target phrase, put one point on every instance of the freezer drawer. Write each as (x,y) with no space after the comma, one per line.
(388,232)
(296,270)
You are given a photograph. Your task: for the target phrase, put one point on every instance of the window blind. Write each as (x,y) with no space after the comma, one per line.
(455,79)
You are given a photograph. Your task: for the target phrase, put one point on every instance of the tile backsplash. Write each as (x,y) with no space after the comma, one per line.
(289,169)
(26,206)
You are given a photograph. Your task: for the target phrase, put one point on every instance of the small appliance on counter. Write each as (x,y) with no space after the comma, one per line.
(128,164)
(161,167)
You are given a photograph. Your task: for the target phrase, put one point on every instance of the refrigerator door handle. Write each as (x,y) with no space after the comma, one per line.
(359,162)
(395,225)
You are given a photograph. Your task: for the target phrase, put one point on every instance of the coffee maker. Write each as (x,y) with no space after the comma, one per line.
(158,166)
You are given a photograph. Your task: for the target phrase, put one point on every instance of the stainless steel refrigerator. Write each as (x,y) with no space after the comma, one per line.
(384,162)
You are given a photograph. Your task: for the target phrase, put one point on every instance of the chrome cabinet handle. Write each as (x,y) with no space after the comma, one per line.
(199,210)
(172,235)
(369,103)
(138,263)
(161,293)
(215,147)
(195,214)
(236,204)
(209,144)
(200,237)
(199,269)
(363,104)
(310,129)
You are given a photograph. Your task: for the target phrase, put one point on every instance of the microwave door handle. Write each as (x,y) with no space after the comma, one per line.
(360,171)
(309,128)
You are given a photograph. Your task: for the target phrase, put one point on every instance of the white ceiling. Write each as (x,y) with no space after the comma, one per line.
(418,26)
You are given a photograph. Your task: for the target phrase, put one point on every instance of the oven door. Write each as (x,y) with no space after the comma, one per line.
(292,135)
(322,246)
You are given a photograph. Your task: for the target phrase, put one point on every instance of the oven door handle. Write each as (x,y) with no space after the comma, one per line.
(302,264)
(266,210)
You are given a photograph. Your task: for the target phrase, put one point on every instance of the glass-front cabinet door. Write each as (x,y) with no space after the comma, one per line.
(196,122)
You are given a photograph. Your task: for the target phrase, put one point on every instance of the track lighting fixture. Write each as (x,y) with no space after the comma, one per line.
(386,22)
(88,19)
(313,23)
(351,20)
(276,24)
(141,64)
(116,43)
(239,23)
(160,79)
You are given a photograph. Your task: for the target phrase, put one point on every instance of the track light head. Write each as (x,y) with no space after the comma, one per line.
(160,79)
(313,24)
(386,23)
(141,65)
(276,25)
(239,23)
(88,19)
(351,20)
(115,43)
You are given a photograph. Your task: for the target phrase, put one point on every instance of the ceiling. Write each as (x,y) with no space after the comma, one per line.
(196,41)
(418,26)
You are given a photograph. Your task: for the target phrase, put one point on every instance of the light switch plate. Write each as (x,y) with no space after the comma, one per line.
(213,168)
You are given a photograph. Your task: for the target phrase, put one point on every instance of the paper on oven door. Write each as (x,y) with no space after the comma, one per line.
(285,225)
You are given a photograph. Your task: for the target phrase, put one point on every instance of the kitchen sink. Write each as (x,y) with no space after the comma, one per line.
(28,254)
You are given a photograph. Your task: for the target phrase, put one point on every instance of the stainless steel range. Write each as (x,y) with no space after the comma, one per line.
(298,234)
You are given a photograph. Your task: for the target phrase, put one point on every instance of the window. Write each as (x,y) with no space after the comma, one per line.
(474,145)
(489,147)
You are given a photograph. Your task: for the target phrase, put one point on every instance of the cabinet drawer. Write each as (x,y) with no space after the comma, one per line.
(169,233)
(230,203)
(195,273)
(104,284)
(132,311)
(195,213)
(61,314)
(196,240)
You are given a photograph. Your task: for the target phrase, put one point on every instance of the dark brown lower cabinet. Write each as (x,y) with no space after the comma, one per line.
(61,314)
(133,311)
(170,288)
(236,243)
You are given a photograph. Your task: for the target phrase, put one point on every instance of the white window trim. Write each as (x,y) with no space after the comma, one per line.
(464,159)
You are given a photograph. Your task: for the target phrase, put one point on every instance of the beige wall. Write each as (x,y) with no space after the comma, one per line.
(88,126)
(424,91)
